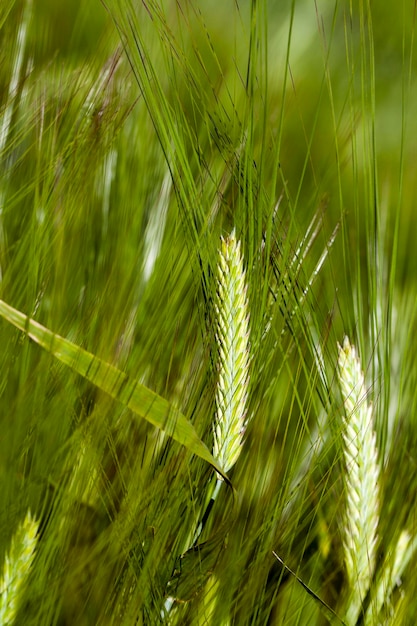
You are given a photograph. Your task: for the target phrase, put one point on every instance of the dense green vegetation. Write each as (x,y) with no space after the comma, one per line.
(135,138)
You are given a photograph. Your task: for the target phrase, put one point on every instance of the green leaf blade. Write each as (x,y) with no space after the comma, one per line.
(137,397)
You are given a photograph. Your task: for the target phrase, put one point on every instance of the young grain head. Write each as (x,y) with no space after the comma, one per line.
(232,335)
(361,473)
(17,564)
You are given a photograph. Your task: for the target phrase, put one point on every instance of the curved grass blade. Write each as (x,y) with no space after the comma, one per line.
(330,614)
(115,383)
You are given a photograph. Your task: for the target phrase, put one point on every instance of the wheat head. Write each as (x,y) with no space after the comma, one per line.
(361,473)
(17,564)
(232,335)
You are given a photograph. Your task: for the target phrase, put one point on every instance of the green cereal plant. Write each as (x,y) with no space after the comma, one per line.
(16,569)
(362,513)
(232,340)
(393,568)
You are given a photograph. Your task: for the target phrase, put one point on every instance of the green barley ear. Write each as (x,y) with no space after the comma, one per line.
(396,561)
(361,481)
(16,568)
(232,337)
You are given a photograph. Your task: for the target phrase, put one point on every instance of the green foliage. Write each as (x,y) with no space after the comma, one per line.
(134,136)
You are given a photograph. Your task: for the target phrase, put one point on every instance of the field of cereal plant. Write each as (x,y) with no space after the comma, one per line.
(208,292)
